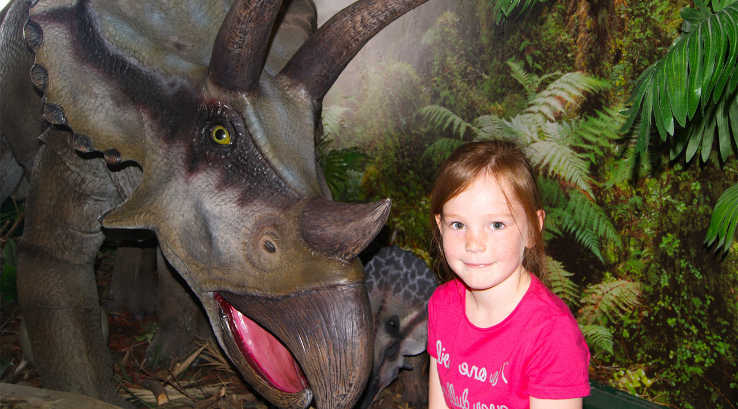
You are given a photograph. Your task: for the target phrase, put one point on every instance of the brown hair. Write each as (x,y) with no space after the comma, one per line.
(505,161)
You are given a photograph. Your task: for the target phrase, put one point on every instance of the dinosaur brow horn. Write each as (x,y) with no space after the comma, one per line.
(319,62)
(241,46)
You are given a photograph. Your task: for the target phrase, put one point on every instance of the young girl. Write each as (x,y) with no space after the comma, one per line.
(497,337)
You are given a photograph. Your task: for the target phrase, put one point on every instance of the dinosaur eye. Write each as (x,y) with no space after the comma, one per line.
(269,246)
(392,325)
(220,135)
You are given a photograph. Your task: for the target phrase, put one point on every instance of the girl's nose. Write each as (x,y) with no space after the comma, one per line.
(475,242)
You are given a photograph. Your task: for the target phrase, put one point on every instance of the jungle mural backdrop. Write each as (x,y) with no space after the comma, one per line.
(629,113)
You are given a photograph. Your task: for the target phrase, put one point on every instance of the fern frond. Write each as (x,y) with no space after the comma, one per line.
(567,89)
(557,280)
(597,133)
(440,149)
(552,195)
(523,128)
(587,213)
(560,160)
(609,300)
(489,127)
(598,338)
(530,82)
(443,119)
(724,220)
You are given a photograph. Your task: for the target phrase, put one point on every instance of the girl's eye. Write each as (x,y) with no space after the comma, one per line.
(498,225)
(457,225)
(220,135)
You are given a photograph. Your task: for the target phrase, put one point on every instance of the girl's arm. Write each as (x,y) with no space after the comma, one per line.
(575,403)
(435,393)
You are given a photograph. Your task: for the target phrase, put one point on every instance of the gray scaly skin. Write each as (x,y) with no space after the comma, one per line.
(163,116)
(399,284)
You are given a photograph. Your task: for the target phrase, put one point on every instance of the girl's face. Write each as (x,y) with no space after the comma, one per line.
(483,236)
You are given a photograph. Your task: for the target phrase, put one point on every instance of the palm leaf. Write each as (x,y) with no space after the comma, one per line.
(724,220)
(609,300)
(503,9)
(598,337)
(693,85)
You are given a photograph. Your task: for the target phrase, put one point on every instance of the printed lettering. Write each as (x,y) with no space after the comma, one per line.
(443,358)
(458,401)
(495,377)
(475,372)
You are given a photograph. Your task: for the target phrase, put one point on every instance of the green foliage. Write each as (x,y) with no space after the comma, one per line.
(634,381)
(690,96)
(342,168)
(562,148)
(505,8)
(699,71)
(682,334)
(558,280)
(724,220)
(610,299)
(395,171)
(599,338)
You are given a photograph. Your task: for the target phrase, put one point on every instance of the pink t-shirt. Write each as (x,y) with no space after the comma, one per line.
(536,351)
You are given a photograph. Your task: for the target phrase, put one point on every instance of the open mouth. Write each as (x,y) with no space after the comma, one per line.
(263,352)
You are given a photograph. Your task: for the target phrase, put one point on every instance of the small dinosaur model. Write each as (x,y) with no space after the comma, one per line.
(195,120)
(400,284)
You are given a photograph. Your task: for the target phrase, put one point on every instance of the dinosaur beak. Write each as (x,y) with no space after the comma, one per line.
(327,330)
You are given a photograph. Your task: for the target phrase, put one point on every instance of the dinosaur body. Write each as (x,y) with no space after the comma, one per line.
(400,285)
(197,122)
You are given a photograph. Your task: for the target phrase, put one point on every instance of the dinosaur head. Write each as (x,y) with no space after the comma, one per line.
(400,285)
(230,182)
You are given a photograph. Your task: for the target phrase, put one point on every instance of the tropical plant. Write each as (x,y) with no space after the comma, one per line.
(563,146)
(690,97)
(505,8)
(342,167)
(559,144)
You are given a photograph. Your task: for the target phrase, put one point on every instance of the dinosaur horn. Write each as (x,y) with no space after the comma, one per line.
(342,230)
(319,62)
(241,46)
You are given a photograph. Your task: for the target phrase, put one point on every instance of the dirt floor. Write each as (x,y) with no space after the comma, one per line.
(204,379)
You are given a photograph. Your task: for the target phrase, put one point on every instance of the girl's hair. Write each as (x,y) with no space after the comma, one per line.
(505,161)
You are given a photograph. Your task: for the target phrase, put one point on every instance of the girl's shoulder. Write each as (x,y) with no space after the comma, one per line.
(543,303)
(448,293)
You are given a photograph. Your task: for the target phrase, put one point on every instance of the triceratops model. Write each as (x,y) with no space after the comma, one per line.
(400,285)
(162,115)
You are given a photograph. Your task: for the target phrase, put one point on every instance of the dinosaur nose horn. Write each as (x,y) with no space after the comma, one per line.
(342,229)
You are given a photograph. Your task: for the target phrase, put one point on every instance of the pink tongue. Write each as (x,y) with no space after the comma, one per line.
(276,364)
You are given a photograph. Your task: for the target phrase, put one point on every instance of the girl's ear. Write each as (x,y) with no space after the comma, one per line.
(438,221)
(541,215)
